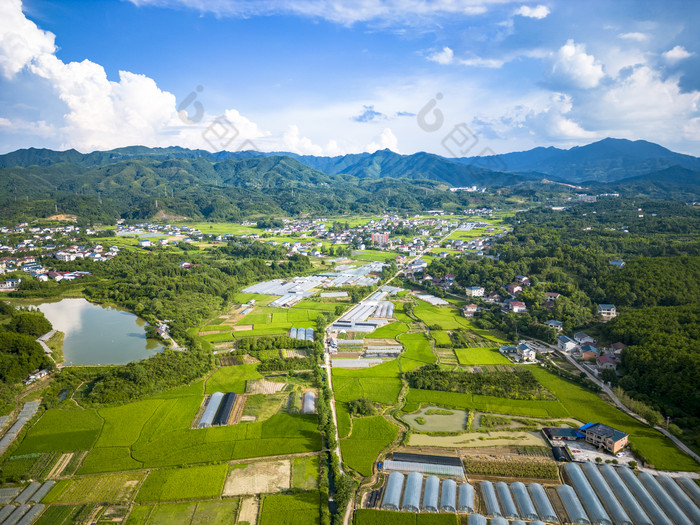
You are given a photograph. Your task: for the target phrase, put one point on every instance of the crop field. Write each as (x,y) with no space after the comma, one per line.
(373,255)
(260,299)
(480,356)
(441,337)
(341,411)
(512,468)
(156,433)
(293,509)
(588,407)
(379,389)
(416,352)
(202,513)
(62,431)
(204,482)
(370,435)
(219,337)
(231,379)
(28,466)
(387,517)
(305,473)
(110,488)
(446,318)
(261,477)
(498,405)
(390,331)
(59,515)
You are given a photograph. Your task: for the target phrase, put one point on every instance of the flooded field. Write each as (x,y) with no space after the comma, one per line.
(437,419)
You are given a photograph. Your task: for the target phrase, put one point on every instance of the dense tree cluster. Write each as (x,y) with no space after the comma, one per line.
(511,385)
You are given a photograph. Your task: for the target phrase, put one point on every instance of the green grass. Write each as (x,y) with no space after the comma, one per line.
(62,431)
(387,517)
(293,509)
(109,459)
(442,338)
(123,424)
(444,317)
(204,482)
(110,488)
(588,407)
(370,435)
(305,473)
(480,356)
(215,512)
(373,255)
(416,352)
(231,378)
(59,515)
(389,331)
(139,515)
(172,513)
(341,410)
(219,337)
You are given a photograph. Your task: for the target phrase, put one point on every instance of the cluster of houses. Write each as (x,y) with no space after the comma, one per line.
(522,353)
(583,347)
(36,375)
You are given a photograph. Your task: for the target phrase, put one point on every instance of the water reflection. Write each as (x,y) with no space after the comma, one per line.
(97,334)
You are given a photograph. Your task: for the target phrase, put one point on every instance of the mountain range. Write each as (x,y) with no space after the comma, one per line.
(233,184)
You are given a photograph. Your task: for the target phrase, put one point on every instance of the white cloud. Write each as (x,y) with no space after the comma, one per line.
(677,54)
(21,41)
(443,57)
(572,64)
(637,37)
(539,12)
(386,140)
(345,12)
(492,63)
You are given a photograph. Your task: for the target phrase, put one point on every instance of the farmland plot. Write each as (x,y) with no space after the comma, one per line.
(111,488)
(204,482)
(293,509)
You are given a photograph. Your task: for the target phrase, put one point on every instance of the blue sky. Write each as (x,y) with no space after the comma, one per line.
(331,77)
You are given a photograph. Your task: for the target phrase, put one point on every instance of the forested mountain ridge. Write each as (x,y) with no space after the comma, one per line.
(138,182)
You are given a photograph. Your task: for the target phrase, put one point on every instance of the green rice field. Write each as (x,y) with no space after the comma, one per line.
(179,484)
(480,356)
(370,435)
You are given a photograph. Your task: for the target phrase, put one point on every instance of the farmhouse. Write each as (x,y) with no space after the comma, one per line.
(605,362)
(607,311)
(554,324)
(584,339)
(475,291)
(565,344)
(514,289)
(470,310)
(605,437)
(517,307)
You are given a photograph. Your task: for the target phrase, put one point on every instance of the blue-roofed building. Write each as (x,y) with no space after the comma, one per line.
(617,262)
(607,311)
(552,323)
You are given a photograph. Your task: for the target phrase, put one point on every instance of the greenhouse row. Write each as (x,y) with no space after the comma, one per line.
(303,334)
(435,498)
(517,501)
(218,410)
(595,495)
(28,411)
(616,496)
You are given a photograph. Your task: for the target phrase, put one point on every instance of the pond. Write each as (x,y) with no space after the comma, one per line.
(99,335)
(437,419)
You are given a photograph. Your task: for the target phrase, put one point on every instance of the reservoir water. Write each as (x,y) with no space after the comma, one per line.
(99,335)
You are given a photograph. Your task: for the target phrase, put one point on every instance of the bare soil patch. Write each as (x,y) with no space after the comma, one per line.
(249,511)
(262,386)
(259,478)
(242,327)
